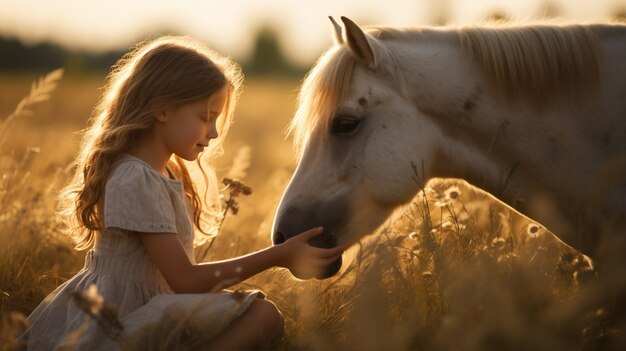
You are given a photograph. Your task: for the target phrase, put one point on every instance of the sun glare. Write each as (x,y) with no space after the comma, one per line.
(231,26)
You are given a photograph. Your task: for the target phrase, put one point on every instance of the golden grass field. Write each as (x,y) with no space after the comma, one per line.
(455,269)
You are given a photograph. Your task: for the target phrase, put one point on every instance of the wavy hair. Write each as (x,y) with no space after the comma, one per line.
(169,70)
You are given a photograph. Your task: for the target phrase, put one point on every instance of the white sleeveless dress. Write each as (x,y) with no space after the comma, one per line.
(137,198)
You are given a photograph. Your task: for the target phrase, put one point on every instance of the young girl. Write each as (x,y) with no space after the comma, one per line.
(133,202)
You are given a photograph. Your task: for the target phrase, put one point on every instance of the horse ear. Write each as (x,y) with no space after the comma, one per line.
(358,43)
(338,36)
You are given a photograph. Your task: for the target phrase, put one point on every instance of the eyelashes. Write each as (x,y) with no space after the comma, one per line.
(345,125)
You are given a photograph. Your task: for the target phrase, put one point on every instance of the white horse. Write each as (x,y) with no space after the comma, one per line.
(534,114)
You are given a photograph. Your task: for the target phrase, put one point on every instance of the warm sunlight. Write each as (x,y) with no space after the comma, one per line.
(250,174)
(229,25)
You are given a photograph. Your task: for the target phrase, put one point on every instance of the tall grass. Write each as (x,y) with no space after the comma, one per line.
(33,256)
(454,272)
(455,269)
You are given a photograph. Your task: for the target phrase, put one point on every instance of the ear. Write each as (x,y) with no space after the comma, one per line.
(159,111)
(338,36)
(160,115)
(360,46)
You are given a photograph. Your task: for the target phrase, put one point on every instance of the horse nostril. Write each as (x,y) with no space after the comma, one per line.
(279,238)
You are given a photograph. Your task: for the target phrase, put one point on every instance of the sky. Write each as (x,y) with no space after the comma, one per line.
(229,25)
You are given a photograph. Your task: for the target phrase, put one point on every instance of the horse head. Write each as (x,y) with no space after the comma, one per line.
(357,134)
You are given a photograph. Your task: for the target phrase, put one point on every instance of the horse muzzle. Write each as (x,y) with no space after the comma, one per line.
(294,221)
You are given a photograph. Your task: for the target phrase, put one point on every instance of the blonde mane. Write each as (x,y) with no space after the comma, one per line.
(325,87)
(536,62)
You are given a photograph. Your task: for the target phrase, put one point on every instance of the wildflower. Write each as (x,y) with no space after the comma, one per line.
(532,230)
(235,188)
(441,202)
(452,193)
(498,243)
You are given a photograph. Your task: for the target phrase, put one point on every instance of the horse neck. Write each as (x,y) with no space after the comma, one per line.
(455,159)
(452,93)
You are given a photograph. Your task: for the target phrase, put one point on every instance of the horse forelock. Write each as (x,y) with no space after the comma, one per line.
(324,88)
(327,86)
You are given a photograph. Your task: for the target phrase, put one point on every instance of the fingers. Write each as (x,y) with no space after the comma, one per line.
(309,234)
(324,253)
(327,261)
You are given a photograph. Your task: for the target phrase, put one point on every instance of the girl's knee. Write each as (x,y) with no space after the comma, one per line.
(269,319)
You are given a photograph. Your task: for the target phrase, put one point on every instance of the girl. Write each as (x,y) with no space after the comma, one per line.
(133,202)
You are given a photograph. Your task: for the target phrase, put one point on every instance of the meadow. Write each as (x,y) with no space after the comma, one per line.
(454,269)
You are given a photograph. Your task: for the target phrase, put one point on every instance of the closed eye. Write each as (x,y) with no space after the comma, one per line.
(206,118)
(345,125)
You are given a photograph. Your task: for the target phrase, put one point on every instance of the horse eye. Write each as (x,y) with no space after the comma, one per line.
(345,126)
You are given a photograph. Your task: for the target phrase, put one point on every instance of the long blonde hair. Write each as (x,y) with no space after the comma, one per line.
(165,71)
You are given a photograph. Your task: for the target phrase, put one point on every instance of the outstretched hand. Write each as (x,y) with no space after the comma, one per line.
(305,260)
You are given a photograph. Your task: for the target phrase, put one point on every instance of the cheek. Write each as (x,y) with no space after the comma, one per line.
(388,166)
(184,132)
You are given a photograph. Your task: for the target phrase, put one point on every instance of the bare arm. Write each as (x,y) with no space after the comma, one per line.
(166,251)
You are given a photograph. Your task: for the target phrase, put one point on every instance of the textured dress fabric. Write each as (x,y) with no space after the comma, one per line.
(137,199)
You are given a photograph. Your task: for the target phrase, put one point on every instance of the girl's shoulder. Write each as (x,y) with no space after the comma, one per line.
(139,198)
(129,170)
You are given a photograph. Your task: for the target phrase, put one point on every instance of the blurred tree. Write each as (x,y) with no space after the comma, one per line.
(17,57)
(268,57)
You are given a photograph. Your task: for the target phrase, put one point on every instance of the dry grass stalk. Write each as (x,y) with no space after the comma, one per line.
(496,281)
(93,304)
(40,91)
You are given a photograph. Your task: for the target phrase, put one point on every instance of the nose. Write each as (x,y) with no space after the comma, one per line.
(295,220)
(289,223)
(292,220)
(278,238)
(212,133)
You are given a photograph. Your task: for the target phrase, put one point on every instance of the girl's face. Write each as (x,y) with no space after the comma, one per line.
(187,128)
